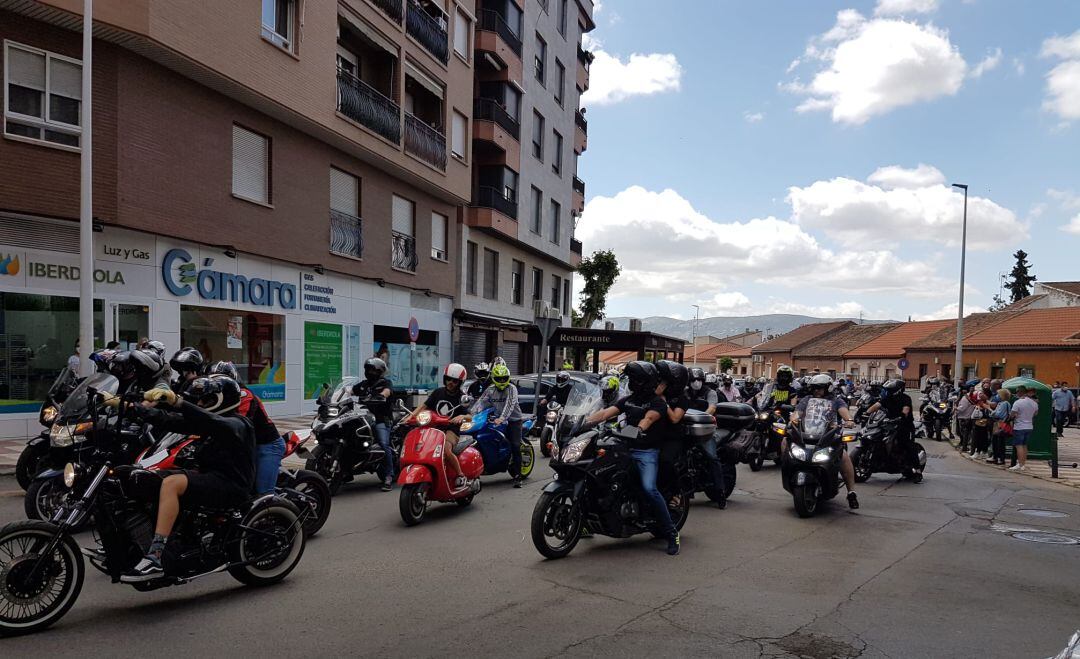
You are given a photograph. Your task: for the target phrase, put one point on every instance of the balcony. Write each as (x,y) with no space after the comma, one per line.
(427,30)
(492,21)
(403,255)
(424,142)
(580,121)
(488,109)
(575,252)
(584,56)
(488,197)
(346,235)
(585,59)
(579,186)
(581,135)
(579,196)
(363,104)
(392,8)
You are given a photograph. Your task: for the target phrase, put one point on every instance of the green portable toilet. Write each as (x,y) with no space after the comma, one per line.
(1039,445)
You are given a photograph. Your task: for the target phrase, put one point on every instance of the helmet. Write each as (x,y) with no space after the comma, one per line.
(374,368)
(697,379)
(102,359)
(214,393)
(156,346)
(455,372)
(711,381)
(932,382)
(784,375)
(673,373)
(482,371)
(187,360)
(726,379)
(500,376)
(498,361)
(821,381)
(224,368)
(562,379)
(762,381)
(642,377)
(137,364)
(892,388)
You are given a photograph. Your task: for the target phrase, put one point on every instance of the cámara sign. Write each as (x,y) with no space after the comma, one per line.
(179,274)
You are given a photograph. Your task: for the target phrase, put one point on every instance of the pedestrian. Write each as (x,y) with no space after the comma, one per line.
(1003,429)
(980,427)
(964,407)
(1064,405)
(1024,411)
(74,361)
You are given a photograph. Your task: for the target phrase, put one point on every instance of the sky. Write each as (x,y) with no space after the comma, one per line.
(796,156)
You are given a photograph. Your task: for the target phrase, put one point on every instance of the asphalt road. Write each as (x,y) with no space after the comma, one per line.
(920,570)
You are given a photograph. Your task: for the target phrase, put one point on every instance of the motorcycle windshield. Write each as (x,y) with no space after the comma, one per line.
(935,396)
(338,393)
(64,380)
(78,403)
(817,419)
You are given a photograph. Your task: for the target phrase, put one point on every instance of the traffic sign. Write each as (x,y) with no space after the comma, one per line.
(902,364)
(414,329)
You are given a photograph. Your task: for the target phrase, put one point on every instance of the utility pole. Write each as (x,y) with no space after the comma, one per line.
(86,207)
(697,310)
(958,368)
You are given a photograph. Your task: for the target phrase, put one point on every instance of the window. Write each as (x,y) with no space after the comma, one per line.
(460,129)
(403,240)
(566,297)
(538,211)
(344,192)
(258,354)
(251,165)
(560,81)
(556,157)
(538,284)
(562,17)
(346,238)
(517,283)
(438,236)
(556,289)
(491,274)
(556,221)
(470,267)
(277,22)
(539,63)
(462,28)
(538,136)
(44,96)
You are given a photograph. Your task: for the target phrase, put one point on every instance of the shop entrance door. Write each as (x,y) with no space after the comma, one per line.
(127,323)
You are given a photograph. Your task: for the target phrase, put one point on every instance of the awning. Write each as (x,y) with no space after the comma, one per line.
(490,321)
(370,32)
(424,79)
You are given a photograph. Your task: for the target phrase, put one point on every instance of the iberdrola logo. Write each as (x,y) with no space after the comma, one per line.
(9,265)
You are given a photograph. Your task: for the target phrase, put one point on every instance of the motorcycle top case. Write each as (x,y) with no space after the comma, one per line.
(698,424)
(734,416)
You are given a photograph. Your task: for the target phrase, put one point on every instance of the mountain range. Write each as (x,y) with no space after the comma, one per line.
(721,326)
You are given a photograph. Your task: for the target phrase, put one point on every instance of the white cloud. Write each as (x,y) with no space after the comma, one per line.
(1018,66)
(870,67)
(897,205)
(753,117)
(591,43)
(613,80)
(1073,226)
(948,312)
(904,7)
(988,63)
(1063,81)
(838,310)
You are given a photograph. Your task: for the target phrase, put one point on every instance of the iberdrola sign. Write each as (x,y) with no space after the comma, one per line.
(181,275)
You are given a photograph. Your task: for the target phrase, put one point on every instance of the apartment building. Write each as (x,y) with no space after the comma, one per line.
(517,236)
(273,182)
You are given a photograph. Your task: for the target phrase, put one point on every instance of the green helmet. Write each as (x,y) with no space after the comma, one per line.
(785,375)
(500,376)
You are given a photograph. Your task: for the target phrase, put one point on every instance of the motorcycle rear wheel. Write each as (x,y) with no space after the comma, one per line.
(315,486)
(277,517)
(756,462)
(558,516)
(67,569)
(528,459)
(806,501)
(412,503)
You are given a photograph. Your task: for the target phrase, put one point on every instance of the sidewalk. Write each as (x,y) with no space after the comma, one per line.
(1068,454)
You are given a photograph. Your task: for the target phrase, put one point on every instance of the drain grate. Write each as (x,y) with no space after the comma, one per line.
(1038,512)
(1044,537)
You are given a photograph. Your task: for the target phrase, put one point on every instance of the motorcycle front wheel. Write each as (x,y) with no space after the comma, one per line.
(269,546)
(323,463)
(545,437)
(756,462)
(44,497)
(42,588)
(29,465)
(313,485)
(860,460)
(806,501)
(412,502)
(556,524)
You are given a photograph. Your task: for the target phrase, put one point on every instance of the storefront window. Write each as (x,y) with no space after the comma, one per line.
(254,342)
(411,366)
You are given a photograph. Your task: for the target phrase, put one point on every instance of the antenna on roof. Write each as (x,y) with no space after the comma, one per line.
(909,318)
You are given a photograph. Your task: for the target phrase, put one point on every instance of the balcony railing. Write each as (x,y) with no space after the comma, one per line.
(488,109)
(489,197)
(392,8)
(424,142)
(579,185)
(581,121)
(362,103)
(431,34)
(403,256)
(584,56)
(492,21)
(346,235)
(575,246)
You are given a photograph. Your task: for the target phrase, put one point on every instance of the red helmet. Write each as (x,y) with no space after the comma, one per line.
(454,372)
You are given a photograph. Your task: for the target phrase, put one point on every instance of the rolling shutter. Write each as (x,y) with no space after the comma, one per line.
(471,348)
(403,214)
(251,160)
(344,192)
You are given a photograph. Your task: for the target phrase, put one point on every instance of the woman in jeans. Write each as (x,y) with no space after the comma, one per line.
(980,428)
(1002,429)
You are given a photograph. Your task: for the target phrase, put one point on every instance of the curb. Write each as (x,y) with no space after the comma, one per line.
(1056,481)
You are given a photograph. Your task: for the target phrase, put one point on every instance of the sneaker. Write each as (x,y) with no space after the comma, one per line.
(518,480)
(1016,468)
(991,460)
(673,545)
(721,504)
(148,569)
(95,553)
(853,500)
(388,485)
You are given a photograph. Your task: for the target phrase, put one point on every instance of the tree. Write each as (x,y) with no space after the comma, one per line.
(726,364)
(599,272)
(1020,279)
(999,303)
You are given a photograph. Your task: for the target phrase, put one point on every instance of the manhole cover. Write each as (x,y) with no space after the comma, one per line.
(1036,512)
(1045,538)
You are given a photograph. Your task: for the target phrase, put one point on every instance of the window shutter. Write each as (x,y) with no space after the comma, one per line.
(438,232)
(250,159)
(461,125)
(344,192)
(65,78)
(461,34)
(26,69)
(403,215)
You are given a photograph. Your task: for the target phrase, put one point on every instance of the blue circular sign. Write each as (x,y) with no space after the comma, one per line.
(903,364)
(414,329)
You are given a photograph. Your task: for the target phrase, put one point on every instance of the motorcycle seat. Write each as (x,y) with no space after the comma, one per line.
(463,444)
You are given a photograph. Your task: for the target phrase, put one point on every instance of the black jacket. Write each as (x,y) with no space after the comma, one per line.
(227,444)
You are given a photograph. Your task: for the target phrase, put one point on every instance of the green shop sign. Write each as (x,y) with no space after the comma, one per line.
(322,356)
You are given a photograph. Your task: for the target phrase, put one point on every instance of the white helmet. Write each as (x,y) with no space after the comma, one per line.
(821,380)
(454,372)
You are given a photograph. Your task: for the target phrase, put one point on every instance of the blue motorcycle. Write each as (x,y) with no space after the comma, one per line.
(494,447)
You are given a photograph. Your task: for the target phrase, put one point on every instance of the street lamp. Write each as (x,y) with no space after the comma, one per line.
(959,363)
(697,309)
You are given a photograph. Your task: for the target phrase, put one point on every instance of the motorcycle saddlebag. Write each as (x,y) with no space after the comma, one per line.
(738,445)
(734,416)
(698,424)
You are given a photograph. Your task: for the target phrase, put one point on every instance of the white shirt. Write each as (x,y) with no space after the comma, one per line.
(74,363)
(1025,410)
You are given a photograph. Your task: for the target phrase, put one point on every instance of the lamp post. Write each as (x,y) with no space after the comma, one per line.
(86,207)
(697,310)
(959,358)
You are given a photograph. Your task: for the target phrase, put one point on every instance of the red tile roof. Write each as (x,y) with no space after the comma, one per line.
(799,336)
(945,339)
(709,351)
(741,351)
(617,356)
(893,342)
(1023,303)
(1067,286)
(839,343)
(1032,328)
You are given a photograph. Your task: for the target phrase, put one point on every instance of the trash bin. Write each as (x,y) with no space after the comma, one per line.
(1040,446)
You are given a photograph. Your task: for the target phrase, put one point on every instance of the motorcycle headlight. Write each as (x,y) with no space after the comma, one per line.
(941,405)
(423,418)
(798,452)
(822,455)
(764,416)
(332,412)
(551,417)
(69,475)
(60,436)
(573,450)
(48,414)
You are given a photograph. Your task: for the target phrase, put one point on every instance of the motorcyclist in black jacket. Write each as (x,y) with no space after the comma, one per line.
(482,373)
(188,364)
(374,392)
(704,399)
(897,405)
(139,370)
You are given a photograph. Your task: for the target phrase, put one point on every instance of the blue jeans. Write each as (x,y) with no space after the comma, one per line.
(267,464)
(648,463)
(382,433)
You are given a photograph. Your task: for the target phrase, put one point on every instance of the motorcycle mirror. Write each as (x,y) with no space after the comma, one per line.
(466,400)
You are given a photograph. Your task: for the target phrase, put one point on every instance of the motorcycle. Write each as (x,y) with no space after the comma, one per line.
(423,477)
(493,446)
(877,452)
(42,568)
(548,430)
(33,458)
(810,470)
(771,427)
(936,413)
(596,487)
(729,419)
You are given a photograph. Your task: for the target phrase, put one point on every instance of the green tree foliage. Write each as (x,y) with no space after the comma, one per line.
(599,272)
(1020,279)
(726,364)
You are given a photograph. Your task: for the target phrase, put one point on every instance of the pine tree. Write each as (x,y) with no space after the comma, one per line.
(1020,279)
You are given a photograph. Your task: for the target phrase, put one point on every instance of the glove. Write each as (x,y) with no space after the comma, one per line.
(165,396)
(110,400)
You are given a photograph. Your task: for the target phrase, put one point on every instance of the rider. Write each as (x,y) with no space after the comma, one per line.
(188,364)
(374,392)
(643,408)
(502,396)
(728,391)
(225,470)
(897,405)
(712,382)
(610,386)
(269,444)
(139,370)
(749,389)
(445,401)
(482,373)
(820,386)
(704,399)
(561,392)
(782,392)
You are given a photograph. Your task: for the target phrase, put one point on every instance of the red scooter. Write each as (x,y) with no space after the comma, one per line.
(423,476)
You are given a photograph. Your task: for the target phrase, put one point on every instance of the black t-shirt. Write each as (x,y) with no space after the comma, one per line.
(443,402)
(227,444)
(365,389)
(894,407)
(477,388)
(674,431)
(780,395)
(635,408)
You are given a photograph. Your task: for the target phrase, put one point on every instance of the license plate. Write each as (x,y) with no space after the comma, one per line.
(152,460)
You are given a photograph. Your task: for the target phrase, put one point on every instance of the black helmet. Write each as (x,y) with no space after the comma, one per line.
(784,375)
(726,380)
(214,393)
(712,382)
(187,360)
(892,388)
(137,364)
(562,379)
(696,376)
(673,373)
(224,368)
(374,368)
(642,377)
(156,346)
(932,381)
